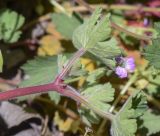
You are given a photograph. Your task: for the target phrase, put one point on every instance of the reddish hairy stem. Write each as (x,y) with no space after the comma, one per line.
(57,85)
(76,56)
(29,90)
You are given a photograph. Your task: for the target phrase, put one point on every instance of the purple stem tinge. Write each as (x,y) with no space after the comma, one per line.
(28,90)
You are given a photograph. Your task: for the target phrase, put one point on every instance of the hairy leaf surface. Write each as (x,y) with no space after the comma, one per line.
(152,53)
(92,31)
(124,123)
(106,51)
(40,70)
(66,24)
(99,96)
(151,122)
(10,22)
(95,75)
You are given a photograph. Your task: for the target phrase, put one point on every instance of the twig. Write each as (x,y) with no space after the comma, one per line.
(86,5)
(59,107)
(88,130)
(101,127)
(83,8)
(141,37)
(124,90)
(45,126)
(35,21)
(56,4)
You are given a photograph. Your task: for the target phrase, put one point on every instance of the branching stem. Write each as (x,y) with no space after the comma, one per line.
(58,86)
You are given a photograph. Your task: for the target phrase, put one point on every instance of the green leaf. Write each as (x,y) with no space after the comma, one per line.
(124,123)
(157,28)
(54,96)
(88,116)
(128,40)
(10,22)
(152,53)
(62,60)
(1,62)
(106,51)
(100,96)
(151,122)
(40,70)
(95,36)
(66,24)
(92,31)
(95,75)
(78,70)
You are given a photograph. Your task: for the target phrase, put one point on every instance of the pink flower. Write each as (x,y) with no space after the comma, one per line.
(127,65)
(121,72)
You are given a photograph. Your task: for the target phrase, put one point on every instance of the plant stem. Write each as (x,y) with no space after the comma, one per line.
(91,9)
(124,90)
(67,81)
(121,29)
(63,90)
(28,90)
(101,127)
(59,107)
(76,56)
(72,93)
(116,7)
(85,4)
(57,5)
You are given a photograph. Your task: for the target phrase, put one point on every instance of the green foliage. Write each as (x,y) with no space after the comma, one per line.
(151,122)
(124,123)
(54,96)
(106,51)
(100,95)
(157,28)
(92,31)
(10,22)
(153,87)
(40,70)
(94,75)
(62,60)
(128,40)
(94,35)
(1,62)
(88,116)
(77,68)
(66,24)
(152,53)
(139,104)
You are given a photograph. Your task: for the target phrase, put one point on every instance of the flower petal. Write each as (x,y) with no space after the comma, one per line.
(121,72)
